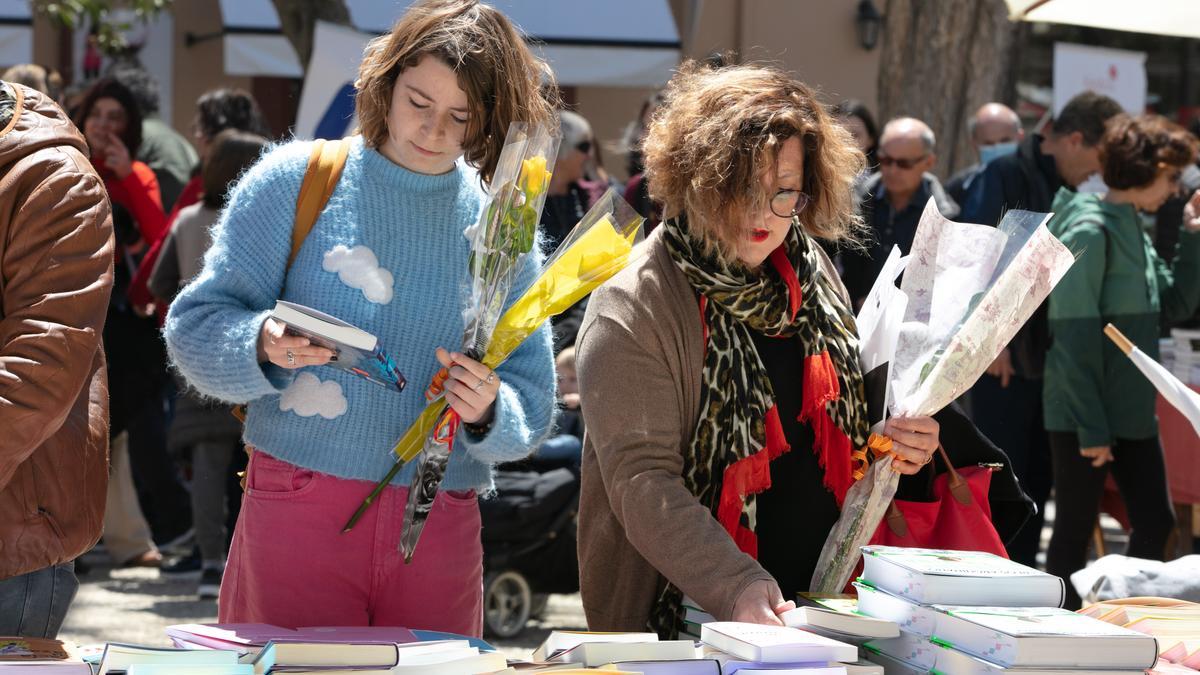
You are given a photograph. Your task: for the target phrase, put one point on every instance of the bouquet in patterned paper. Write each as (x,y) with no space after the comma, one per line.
(968,289)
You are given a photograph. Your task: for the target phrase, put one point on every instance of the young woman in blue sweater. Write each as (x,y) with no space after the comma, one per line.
(434,101)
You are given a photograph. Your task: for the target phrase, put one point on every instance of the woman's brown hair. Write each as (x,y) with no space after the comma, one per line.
(232,152)
(1134,150)
(503,80)
(720,129)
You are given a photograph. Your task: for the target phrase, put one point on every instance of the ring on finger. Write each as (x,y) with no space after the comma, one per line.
(291,357)
(479,386)
(491,377)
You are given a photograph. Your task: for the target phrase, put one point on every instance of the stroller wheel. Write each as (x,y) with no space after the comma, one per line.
(507,602)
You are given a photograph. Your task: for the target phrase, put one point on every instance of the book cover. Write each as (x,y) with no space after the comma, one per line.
(287,654)
(119,657)
(592,654)
(40,656)
(844,624)
(355,351)
(680,667)
(1042,637)
(953,661)
(561,640)
(906,614)
(774,644)
(959,577)
(915,650)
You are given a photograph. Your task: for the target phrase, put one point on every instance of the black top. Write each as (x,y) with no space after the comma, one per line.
(797,512)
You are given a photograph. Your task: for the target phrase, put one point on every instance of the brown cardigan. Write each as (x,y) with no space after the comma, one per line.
(640,353)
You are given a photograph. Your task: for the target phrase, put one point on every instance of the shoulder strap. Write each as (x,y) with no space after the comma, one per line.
(325,166)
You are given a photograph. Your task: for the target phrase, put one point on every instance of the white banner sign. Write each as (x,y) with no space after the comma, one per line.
(1116,73)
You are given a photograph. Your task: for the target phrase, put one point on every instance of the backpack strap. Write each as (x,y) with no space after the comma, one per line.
(325,166)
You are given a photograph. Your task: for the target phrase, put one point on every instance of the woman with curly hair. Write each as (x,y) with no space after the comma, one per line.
(1099,408)
(719,374)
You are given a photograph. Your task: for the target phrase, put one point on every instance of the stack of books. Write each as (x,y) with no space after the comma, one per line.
(969,612)
(1175,624)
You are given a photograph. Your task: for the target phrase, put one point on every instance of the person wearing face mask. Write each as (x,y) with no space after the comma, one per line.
(995,132)
(1006,403)
(718,374)
(892,200)
(435,98)
(1099,409)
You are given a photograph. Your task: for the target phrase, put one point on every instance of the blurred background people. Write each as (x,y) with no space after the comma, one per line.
(995,132)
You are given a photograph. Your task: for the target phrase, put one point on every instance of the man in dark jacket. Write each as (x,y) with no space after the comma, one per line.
(1006,403)
(56,259)
(995,132)
(891,201)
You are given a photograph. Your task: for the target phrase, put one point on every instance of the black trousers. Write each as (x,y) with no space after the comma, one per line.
(1140,472)
(1011,417)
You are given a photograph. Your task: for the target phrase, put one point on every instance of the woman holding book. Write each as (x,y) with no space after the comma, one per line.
(1099,408)
(719,374)
(435,98)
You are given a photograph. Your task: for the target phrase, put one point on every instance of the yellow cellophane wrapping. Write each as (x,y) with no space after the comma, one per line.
(592,259)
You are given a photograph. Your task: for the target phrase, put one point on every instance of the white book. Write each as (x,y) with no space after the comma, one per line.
(908,615)
(838,669)
(774,644)
(961,663)
(173,669)
(355,350)
(827,620)
(560,640)
(1042,637)
(911,648)
(594,654)
(324,325)
(863,667)
(680,667)
(480,662)
(894,666)
(931,577)
(118,657)
(300,655)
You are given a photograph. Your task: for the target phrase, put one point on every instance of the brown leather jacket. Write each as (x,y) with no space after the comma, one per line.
(56,258)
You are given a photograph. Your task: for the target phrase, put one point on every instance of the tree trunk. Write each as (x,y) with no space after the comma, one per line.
(298,19)
(941,60)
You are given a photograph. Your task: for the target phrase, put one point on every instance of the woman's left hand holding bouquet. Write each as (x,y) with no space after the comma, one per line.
(914,440)
(471,387)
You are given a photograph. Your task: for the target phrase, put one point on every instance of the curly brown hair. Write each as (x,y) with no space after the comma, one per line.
(503,80)
(1134,150)
(717,133)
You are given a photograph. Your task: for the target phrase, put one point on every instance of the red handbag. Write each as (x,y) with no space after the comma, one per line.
(958,519)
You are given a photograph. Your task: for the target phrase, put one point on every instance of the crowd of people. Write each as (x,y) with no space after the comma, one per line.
(769,214)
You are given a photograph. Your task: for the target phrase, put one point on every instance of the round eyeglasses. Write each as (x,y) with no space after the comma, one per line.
(788,203)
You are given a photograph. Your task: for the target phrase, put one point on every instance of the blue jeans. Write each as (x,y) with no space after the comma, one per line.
(35,604)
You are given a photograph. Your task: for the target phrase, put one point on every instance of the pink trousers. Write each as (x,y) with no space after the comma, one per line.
(290,565)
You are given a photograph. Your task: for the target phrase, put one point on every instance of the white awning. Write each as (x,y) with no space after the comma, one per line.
(253,44)
(616,43)
(16,33)
(1179,18)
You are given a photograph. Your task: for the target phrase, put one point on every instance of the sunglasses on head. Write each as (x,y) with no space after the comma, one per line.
(585,147)
(905,164)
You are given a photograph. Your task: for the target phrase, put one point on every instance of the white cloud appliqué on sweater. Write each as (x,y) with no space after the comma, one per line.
(359,268)
(307,395)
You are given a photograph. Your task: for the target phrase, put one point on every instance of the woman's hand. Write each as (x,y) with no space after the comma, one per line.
(1191,213)
(914,440)
(1002,368)
(116,157)
(761,602)
(471,388)
(1100,455)
(288,351)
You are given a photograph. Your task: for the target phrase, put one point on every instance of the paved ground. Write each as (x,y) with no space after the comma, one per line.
(136,605)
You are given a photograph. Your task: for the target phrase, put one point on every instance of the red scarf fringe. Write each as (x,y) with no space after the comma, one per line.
(752,475)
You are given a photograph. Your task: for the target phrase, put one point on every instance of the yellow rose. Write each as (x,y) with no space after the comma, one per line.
(534,176)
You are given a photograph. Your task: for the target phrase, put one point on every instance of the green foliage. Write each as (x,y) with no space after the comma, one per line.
(99,14)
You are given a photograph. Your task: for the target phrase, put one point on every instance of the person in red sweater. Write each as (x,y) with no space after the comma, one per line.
(110,120)
(216,111)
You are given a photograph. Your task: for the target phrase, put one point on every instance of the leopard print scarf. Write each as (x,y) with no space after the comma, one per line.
(739,432)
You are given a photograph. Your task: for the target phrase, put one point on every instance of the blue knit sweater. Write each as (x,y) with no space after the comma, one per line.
(387,254)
